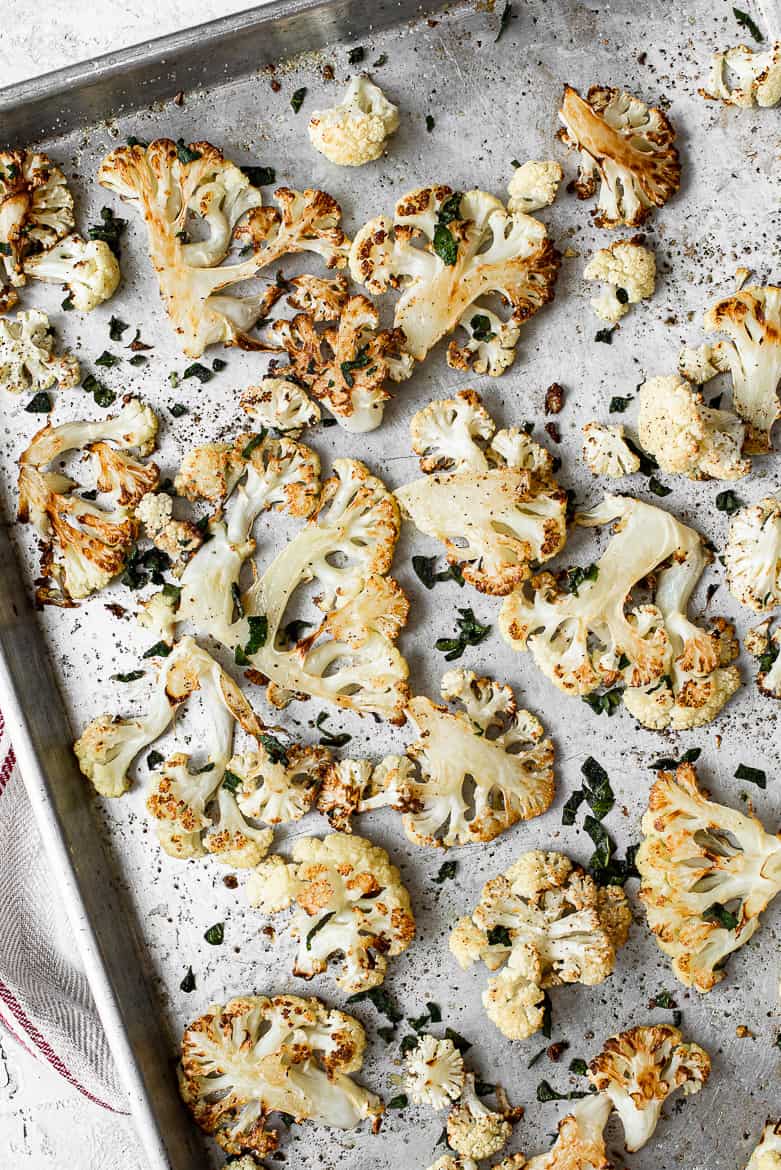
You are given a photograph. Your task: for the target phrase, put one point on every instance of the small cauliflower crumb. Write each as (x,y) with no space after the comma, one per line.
(746,77)
(606,451)
(355,131)
(631,271)
(533,185)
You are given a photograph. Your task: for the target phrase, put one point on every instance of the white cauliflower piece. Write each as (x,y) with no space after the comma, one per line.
(350,902)
(27,357)
(701,364)
(580,1144)
(85,545)
(687,437)
(281,405)
(356,130)
(752,320)
(583,638)
(169,184)
(108,745)
(279,788)
(606,452)
(473,1130)
(349,657)
(88,269)
(707,873)
(434,1072)
(547,920)
(447,251)
(257,1055)
(639,1069)
(767,1155)
(36,210)
(533,186)
(766,648)
(631,271)
(753,554)
(746,77)
(177,538)
(494,517)
(625,145)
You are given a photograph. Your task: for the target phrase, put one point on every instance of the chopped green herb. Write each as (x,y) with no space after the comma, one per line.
(469,633)
(387,1034)
(577,575)
(381,60)
(605,335)
(199,371)
(218,364)
(753,775)
(186,154)
(260,176)
(133,141)
(664,999)
(215,934)
(116,328)
(597,790)
(622,296)
(546,1093)
(40,403)
(570,810)
(400,1102)
(359,362)
(231,781)
(109,230)
(458,1041)
(409,1043)
(578,1067)
(5,249)
(178,409)
(356,55)
(172,592)
(424,568)
(434,1013)
(253,444)
(728,502)
(154,760)
(658,488)
(141,567)
(419,1022)
(203,769)
(67,304)
(724,917)
(381,1000)
(537,1057)
(547,1016)
(604,867)
(102,394)
(329,738)
(297,99)
(446,872)
(138,359)
(668,764)
(159,650)
(745,21)
(173,379)
(318,926)
(258,632)
(131,676)
(481,328)
(445,246)
(605,704)
(92,494)
(430,123)
(450,208)
(107,359)
(499,936)
(188,983)
(504,20)
(618,404)
(274,749)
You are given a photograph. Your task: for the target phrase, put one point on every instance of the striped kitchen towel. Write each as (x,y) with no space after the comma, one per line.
(45,1001)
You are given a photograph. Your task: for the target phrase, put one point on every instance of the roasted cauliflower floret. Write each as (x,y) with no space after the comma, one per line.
(36,210)
(494,515)
(88,269)
(746,77)
(356,130)
(639,1069)
(707,873)
(752,320)
(606,452)
(580,1144)
(701,363)
(169,184)
(687,437)
(533,186)
(27,357)
(473,1130)
(766,648)
(767,1155)
(550,924)
(626,146)
(178,539)
(587,634)
(349,901)
(631,271)
(86,545)
(446,251)
(256,1055)
(278,789)
(350,657)
(753,554)
(281,405)
(434,1072)
(348,364)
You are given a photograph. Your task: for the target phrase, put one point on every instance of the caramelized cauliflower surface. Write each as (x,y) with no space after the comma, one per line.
(580,1144)
(356,130)
(36,210)
(473,1130)
(281,405)
(624,146)
(767,1155)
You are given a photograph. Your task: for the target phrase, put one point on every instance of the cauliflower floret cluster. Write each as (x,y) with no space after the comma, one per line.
(767,1155)
(281,405)
(545,923)
(36,210)
(348,364)
(168,183)
(356,130)
(434,1072)
(256,1055)
(86,545)
(475,1131)
(27,357)
(588,632)
(626,147)
(746,77)
(766,648)
(350,901)
(606,451)
(639,1069)
(687,437)
(447,251)
(533,185)
(751,319)
(630,269)
(707,873)
(753,554)
(278,787)
(495,514)
(178,539)
(88,269)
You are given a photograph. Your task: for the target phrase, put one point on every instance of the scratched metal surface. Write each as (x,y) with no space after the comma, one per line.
(491,103)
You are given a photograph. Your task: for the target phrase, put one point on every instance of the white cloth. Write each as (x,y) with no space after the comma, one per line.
(45,1000)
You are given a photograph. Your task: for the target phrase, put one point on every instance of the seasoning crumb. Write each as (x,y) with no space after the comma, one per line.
(231,881)
(554,398)
(743,1033)
(553,430)
(276,85)
(328,73)
(179,98)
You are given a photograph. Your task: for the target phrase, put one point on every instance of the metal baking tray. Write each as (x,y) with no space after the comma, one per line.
(139,916)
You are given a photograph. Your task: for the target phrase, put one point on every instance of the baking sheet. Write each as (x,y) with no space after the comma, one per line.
(491,102)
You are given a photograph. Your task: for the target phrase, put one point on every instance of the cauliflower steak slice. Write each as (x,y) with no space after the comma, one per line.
(168,183)
(626,146)
(27,358)
(86,545)
(580,1144)
(496,508)
(350,901)
(257,1055)
(447,251)
(707,873)
(753,555)
(545,923)
(36,210)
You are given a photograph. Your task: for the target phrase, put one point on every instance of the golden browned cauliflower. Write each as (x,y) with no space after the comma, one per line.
(36,210)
